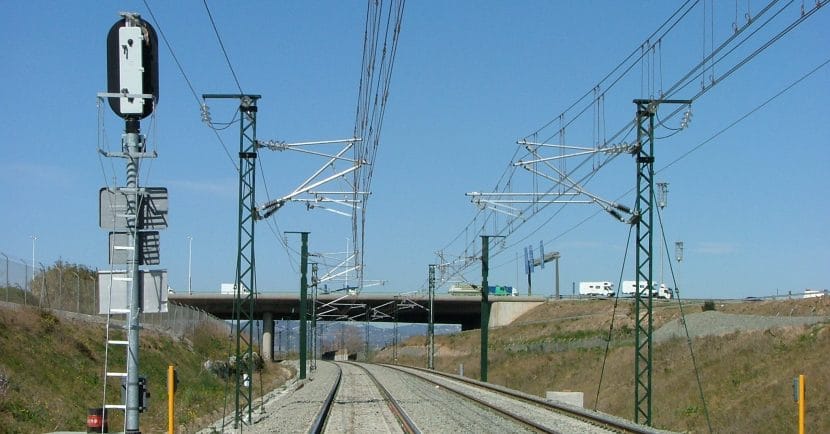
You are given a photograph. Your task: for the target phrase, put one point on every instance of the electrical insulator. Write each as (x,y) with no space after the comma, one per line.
(687,119)
(205,113)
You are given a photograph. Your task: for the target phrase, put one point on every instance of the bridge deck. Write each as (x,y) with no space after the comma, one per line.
(449,309)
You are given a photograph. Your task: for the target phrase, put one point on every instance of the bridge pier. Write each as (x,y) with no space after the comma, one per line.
(268,336)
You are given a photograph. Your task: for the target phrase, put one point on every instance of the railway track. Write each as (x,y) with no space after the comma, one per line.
(483,394)
(346,397)
(360,403)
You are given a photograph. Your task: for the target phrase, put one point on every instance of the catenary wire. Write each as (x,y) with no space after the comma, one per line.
(187,80)
(222,46)
(613,315)
(752,55)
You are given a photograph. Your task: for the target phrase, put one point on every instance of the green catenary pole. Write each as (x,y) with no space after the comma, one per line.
(431,329)
(303,302)
(245,291)
(485,301)
(643,218)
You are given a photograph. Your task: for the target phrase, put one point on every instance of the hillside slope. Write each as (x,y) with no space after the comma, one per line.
(51,368)
(746,362)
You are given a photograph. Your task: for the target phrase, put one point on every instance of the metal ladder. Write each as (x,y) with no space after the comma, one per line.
(122,344)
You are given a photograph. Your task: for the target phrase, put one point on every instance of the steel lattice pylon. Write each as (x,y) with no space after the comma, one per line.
(643,302)
(245,291)
(245,264)
(643,218)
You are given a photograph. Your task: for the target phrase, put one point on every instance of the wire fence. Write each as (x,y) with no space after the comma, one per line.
(74,288)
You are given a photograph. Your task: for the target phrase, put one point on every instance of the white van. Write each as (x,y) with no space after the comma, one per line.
(629,288)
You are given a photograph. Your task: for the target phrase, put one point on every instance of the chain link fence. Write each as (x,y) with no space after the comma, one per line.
(74,288)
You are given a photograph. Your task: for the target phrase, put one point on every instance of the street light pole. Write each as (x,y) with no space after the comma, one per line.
(60,284)
(7,276)
(189,255)
(678,254)
(34,238)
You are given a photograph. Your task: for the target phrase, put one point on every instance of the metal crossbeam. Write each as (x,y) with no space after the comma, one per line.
(565,190)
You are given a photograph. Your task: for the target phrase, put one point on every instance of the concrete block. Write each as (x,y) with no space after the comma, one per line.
(571,398)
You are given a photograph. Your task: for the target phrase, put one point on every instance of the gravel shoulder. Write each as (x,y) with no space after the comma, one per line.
(287,409)
(714,323)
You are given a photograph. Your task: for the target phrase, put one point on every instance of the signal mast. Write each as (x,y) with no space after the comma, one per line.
(132,92)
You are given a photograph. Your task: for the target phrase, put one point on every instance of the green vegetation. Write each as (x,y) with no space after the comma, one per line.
(746,376)
(51,370)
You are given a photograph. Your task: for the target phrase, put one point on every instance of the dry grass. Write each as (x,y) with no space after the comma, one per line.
(54,369)
(746,377)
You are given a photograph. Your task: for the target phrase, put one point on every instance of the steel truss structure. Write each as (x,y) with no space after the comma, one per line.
(245,290)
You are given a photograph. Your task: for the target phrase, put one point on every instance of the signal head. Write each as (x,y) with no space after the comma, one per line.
(132,66)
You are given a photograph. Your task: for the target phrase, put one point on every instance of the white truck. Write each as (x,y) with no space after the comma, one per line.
(596,289)
(629,287)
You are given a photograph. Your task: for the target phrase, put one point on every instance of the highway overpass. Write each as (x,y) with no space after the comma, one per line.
(449,309)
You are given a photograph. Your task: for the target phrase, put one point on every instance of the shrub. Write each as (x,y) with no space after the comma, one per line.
(708,305)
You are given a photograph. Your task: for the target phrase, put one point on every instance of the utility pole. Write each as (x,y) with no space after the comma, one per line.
(189,254)
(485,301)
(431,328)
(678,255)
(32,285)
(314,283)
(556,274)
(395,338)
(529,267)
(77,292)
(303,301)
(643,218)
(366,348)
(245,291)
(7,277)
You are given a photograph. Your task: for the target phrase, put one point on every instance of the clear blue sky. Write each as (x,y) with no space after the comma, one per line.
(470,79)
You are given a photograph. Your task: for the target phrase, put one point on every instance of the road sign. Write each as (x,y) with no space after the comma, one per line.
(121,252)
(112,208)
(115,288)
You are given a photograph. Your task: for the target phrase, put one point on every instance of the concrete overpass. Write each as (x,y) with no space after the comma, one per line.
(449,309)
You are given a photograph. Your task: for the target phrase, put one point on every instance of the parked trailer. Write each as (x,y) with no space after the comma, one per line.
(596,289)
(501,290)
(628,289)
(464,289)
(469,289)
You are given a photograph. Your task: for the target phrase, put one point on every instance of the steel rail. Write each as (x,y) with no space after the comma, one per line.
(518,418)
(600,420)
(407,424)
(319,423)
